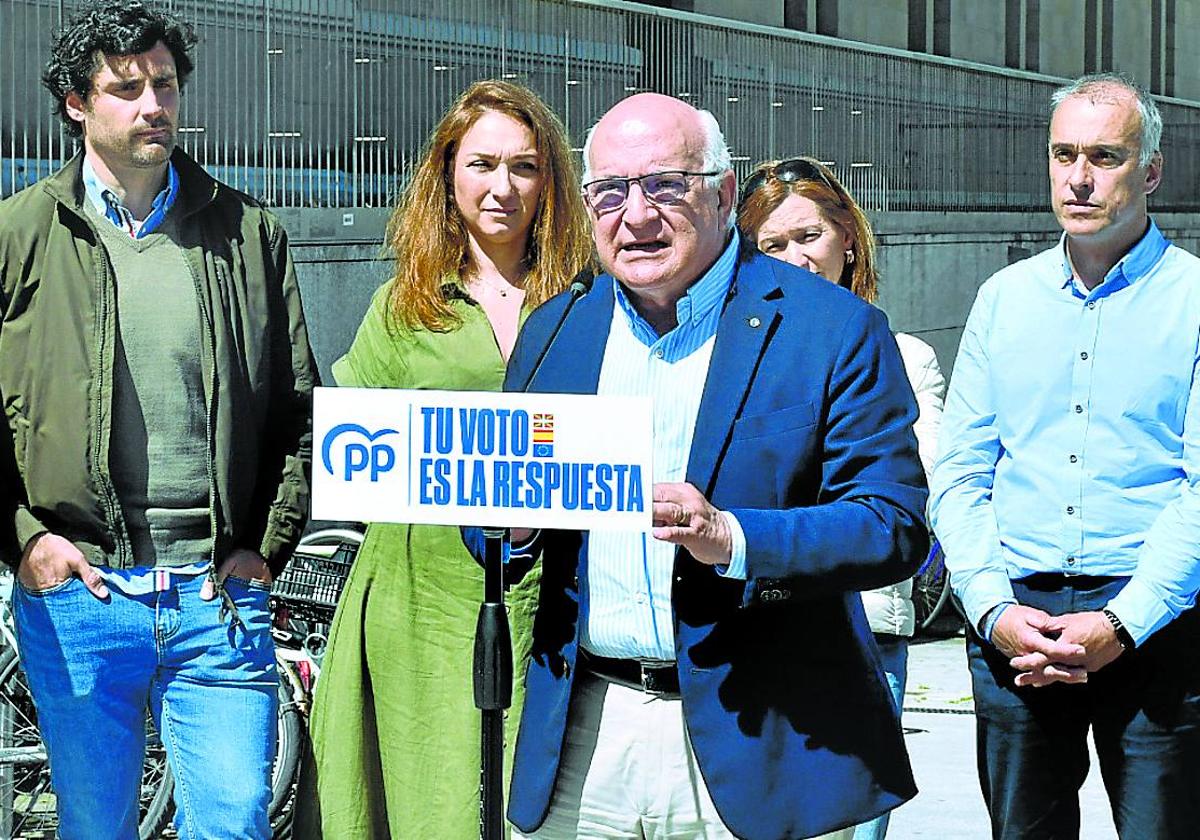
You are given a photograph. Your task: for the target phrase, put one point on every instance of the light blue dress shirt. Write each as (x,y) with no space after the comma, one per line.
(1071,437)
(626,593)
(108,205)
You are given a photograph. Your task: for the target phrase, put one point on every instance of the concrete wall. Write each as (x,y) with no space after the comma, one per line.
(929,280)
(1187,69)
(882,22)
(337,275)
(1131,40)
(931,266)
(766,12)
(1061,37)
(977,31)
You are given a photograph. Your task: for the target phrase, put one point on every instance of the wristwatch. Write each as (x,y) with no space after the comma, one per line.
(1123,638)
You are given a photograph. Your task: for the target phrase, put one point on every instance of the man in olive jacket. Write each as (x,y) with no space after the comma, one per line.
(156,379)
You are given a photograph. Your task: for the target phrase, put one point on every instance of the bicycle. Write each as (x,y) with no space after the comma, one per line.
(931,589)
(303,598)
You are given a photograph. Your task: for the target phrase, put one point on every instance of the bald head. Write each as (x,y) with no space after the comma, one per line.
(644,117)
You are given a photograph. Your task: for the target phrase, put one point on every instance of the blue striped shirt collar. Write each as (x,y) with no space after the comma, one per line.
(108,205)
(1132,267)
(696,313)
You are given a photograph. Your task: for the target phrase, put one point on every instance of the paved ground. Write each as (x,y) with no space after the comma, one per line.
(940,731)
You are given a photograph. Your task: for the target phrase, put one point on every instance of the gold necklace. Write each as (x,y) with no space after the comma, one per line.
(502,290)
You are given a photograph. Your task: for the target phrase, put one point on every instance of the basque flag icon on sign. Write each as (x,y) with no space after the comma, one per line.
(543,436)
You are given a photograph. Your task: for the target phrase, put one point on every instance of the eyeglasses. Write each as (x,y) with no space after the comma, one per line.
(608,194)
(789,172)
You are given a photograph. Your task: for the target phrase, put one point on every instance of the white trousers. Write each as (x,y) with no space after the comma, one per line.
(628,771)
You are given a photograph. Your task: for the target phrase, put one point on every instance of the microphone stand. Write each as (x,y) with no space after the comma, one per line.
(493,667)
(579,287)
(493,672)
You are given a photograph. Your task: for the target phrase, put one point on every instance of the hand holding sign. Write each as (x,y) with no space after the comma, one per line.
(684,517)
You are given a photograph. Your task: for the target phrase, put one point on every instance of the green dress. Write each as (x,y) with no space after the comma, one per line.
(394,727)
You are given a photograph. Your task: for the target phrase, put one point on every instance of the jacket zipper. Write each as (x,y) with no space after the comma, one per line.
(116,521)
(210,401)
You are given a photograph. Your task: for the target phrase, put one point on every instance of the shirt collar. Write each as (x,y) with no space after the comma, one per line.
(108,205)
(1135,265)
(700,304)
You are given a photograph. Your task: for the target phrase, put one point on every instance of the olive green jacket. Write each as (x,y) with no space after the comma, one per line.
(57,333)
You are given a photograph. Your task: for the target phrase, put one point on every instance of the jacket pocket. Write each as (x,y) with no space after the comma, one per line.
(798,416)
(20,425)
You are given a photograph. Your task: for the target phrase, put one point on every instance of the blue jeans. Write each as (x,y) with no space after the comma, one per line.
(1143,710)
(893,652)
(93,667)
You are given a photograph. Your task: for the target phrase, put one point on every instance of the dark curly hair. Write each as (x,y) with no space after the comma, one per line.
(109,27)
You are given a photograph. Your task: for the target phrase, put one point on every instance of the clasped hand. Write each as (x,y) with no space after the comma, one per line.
(1054,648)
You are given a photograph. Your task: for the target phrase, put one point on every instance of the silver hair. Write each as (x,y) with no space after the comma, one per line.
(1098,83)
(716,157)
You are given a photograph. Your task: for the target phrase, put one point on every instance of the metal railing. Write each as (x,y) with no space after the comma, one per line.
(326,103)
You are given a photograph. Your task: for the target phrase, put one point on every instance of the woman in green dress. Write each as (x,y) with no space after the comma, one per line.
(490,226)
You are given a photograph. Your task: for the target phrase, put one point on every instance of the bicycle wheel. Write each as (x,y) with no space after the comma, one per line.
(333,536)
(156,803)
(931,588)
(288,746)
(28,806)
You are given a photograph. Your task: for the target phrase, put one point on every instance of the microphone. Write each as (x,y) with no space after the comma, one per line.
(580,286)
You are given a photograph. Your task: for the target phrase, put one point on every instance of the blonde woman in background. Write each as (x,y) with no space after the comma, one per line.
(797,211)
(490,226)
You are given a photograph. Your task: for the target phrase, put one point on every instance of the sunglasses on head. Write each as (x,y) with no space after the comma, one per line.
(787,171)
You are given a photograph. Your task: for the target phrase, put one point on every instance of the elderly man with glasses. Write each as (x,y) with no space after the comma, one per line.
(715,677)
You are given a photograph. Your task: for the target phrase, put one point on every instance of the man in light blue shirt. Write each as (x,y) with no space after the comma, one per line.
(1065,493)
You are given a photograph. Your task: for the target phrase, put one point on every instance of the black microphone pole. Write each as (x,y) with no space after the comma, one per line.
(493,684)
(580,286)
(493,666)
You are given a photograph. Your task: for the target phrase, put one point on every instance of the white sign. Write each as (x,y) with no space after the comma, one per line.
(481,458)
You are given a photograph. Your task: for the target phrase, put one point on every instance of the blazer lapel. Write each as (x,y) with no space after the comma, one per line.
(577,370)
(574,366)
(750,318)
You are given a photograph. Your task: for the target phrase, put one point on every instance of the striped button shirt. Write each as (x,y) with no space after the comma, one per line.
(626,593)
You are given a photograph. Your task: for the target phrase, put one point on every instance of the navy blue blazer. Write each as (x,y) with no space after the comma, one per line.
(805,434)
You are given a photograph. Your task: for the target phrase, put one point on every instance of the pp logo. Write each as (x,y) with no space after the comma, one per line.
(357,456)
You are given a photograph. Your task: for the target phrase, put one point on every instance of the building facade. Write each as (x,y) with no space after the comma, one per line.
(1057,37)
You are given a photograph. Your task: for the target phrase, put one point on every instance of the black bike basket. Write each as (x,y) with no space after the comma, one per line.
(310,585)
